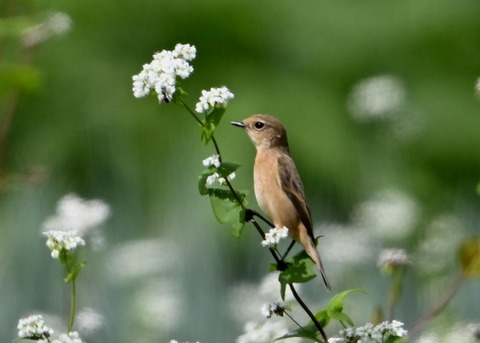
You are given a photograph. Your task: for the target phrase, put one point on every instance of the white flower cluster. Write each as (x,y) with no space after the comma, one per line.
(274,236)
(62,241)
(477,87)
(214,97)
(392,258)
(217,178)
(71,337)
(213,160)
(370,333)
(33,327)
(56,24)
(161,73)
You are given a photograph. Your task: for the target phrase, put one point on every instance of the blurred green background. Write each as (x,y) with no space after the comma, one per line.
(384,124)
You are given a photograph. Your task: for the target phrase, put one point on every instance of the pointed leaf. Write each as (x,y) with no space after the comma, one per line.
(211,122)
(299,270)
(202,182)
(226,168)
(75,271)
(228,210)
(309,332)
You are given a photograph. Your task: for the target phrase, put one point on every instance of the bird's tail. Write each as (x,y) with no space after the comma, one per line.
(311,250)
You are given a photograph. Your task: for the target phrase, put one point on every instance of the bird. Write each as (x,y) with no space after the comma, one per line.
(278,188)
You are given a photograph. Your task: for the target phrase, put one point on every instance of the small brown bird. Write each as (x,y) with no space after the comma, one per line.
(278,188)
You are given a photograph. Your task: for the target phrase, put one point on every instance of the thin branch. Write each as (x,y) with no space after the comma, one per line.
(439,307)
(309,313)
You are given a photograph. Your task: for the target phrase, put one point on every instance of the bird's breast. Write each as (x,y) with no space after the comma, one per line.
(269,193)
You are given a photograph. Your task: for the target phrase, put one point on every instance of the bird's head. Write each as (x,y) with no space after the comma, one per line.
(264,131)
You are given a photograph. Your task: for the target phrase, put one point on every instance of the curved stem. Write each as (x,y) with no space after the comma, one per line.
(309,313)
(420,323)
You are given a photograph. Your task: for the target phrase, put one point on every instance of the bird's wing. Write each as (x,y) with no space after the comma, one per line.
(293,187)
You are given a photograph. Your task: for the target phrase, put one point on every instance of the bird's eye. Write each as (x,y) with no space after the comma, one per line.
(259,125)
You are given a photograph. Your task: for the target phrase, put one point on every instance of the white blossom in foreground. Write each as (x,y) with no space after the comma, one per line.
(370,333)
(213,160)
(274,236)
(175,341)
(160,75)
(217,178)
(63,241)
(71,337)
(214,97)
(33,327)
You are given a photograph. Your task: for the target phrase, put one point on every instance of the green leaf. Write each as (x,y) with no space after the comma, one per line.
(334,309)
(76,269)
(202,182)
(470,257)
(226,168)
(309,332)
(228,210)
(211,122)
(299,270)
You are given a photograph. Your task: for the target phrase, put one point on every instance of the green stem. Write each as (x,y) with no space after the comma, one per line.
(73,300)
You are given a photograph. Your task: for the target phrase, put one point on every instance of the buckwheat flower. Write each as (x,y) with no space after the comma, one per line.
(212,179)
(71,337)
(230,177)
(63,242)
(185,51)
(392,258)
(33,327)
(160,75)
(370,333)
(274,236)
(213,160)
(212,98)
(217,178)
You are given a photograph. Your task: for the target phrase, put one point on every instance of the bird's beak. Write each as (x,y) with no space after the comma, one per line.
(238,123)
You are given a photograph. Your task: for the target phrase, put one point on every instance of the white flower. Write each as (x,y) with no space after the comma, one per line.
(185,51)
(274,236)
(477,86)
(217,178)
(33,327)
(214,97)
(63,241)
(370,333)
(71,337)
(213,160)
(392,258)
(161,73)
